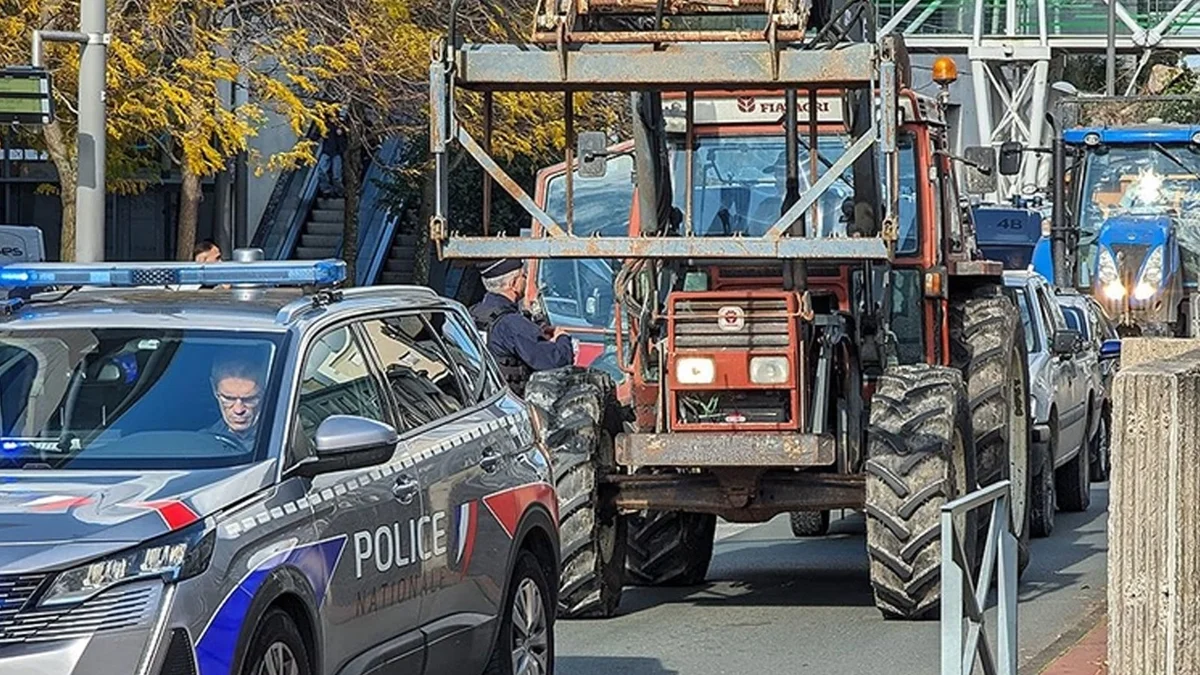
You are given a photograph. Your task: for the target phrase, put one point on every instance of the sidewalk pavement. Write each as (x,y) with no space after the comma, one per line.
(1089,656)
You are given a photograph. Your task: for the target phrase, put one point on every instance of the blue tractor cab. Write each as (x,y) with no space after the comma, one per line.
(1008,233)
(1136,206)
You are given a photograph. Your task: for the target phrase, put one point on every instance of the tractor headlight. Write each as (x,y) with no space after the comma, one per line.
(1152,272)
(769,369)
(179,555)
(1114,290)
(695,370)
(1107,271)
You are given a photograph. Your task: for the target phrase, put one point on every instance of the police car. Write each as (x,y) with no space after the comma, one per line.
(267,476)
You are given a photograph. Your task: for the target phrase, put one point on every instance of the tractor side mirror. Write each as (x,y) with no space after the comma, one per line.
(1110,349)
(981,169)
(1010,158)
(592,151)
(1066,342)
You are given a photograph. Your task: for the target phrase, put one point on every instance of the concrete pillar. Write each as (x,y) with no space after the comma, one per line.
(1154,512)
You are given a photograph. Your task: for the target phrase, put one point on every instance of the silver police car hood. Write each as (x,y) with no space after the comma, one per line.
(53,519)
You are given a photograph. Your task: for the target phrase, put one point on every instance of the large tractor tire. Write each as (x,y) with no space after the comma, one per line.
(920,456)
(577,410)
(669,548)
(987,344)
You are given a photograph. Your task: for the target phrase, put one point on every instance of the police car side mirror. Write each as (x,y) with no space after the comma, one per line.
(346,442)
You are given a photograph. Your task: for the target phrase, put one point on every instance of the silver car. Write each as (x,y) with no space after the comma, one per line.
(249,480)
(1061,373)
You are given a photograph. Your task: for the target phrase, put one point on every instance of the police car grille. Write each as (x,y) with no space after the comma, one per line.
(15,592)
(695,324)
(114,610)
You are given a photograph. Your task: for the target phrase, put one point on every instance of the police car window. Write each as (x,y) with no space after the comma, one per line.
(335,380)
(110,398)
(465,351)
(422,381)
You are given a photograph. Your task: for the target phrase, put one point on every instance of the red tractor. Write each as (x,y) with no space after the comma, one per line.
(794,331)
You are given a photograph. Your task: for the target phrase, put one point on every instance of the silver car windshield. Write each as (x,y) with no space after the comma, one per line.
(120,398)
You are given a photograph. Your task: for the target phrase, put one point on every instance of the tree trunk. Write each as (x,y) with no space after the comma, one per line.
(352,180)
(64,162)
(189,214)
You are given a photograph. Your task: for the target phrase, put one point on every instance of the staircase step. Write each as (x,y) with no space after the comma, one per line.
(324,229)
(331,204)
(402,253)
(395,278)
(405,241)
(329,241)
(327,216)
(318,253)
(401,265)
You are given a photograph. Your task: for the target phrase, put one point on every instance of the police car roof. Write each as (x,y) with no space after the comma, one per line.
(263,310)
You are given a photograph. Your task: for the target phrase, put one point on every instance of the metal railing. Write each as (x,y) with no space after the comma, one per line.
(964,598)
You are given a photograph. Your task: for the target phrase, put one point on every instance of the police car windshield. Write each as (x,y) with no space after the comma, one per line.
(140,399)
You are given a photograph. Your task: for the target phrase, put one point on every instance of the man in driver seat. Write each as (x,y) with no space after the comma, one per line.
(238,390)
(519,345)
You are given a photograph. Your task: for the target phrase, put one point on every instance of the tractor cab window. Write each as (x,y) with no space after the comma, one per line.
(1154,185)
(906,244)
(739,183)
(579,293)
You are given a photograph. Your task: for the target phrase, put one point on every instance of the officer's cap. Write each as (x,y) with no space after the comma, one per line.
(498,268)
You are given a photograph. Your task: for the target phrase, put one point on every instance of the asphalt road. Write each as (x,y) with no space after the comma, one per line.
(773,604)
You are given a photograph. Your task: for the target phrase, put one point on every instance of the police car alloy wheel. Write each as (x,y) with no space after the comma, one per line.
(277,648)
(531,632)
(279,660)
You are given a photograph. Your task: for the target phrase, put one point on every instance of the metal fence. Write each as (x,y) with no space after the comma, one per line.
(964,639)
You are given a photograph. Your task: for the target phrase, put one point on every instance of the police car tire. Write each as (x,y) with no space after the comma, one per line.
(575,415)
(670,548)
(810,523)
(920,456)
(277,627)
(986,342)
(526,567)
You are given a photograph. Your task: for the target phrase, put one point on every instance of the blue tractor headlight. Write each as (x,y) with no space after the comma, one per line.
(130,275)
(1151,276)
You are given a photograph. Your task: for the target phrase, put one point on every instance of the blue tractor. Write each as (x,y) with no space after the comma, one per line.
(1131,220)
(1009,233)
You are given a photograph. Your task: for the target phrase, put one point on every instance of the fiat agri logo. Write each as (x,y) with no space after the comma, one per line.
(746,104)
(731,318)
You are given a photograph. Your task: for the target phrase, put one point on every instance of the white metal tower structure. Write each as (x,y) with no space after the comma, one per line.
(1011,44)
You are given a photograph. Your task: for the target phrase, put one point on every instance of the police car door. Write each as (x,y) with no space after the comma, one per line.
(465,449)
(372,605)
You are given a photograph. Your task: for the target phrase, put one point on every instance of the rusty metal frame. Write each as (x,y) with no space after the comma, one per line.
(676,66)
(746,494)
(736,449)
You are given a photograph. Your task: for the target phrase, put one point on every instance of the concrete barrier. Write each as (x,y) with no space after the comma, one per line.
(1154,511)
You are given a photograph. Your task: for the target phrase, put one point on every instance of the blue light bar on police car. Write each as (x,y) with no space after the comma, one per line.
(131,275)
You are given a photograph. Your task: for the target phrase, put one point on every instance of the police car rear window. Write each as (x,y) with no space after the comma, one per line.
(125,398)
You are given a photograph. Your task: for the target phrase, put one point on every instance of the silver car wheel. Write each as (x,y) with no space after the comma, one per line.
(530,631)
(279,660)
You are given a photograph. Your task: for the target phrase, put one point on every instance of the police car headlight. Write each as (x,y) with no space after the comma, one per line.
(695,370)
(178,556)
(769,369)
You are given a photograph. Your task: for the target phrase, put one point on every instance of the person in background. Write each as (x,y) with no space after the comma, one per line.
(207,251)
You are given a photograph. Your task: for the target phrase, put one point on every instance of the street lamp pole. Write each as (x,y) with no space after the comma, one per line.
(92,135)
(90,194)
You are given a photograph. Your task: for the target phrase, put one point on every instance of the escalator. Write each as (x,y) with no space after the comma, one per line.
(301,222)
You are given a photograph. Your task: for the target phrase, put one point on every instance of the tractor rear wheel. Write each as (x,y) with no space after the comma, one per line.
(920,456)
(575,407)
(987,344)
(669,548)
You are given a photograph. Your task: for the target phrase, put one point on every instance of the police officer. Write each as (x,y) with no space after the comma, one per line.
(519,344)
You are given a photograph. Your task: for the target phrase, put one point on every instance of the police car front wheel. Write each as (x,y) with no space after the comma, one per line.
(526,642)
(277,648)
